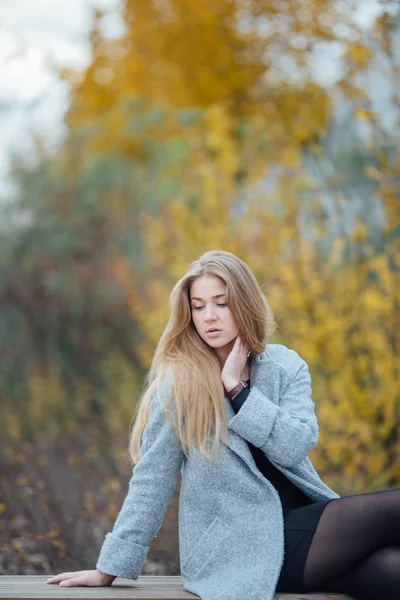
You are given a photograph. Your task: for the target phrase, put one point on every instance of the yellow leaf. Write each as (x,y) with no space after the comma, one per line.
(364,114)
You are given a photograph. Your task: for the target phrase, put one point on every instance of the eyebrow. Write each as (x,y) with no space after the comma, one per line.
(217,296)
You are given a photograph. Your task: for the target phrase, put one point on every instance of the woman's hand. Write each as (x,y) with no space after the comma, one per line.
(234,364)
(77,578)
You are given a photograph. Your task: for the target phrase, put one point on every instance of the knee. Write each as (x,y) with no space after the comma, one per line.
(388,561)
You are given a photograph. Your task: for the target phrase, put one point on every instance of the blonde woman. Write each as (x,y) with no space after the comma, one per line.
(233,413)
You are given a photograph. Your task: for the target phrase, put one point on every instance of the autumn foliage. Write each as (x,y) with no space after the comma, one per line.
(201,127)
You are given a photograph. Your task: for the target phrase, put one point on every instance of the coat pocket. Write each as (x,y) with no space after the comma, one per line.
(205,548)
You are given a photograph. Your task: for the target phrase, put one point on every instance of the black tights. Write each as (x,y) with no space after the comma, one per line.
(356,547)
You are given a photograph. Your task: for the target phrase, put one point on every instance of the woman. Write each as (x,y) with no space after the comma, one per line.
(254,515)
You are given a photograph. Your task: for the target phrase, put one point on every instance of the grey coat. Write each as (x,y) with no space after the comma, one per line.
(231,536)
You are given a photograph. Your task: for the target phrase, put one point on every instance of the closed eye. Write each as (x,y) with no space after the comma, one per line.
(200,307)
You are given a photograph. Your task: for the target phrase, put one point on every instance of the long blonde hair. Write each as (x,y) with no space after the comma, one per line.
(190,365)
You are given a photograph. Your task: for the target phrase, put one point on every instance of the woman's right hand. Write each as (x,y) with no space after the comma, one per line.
(93,578)
(235,363)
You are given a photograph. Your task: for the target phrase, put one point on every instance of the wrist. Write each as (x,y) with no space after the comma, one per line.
(230,382)
(233,392)
(107,578)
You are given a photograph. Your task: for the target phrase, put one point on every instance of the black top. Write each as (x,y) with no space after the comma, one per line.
(290,495)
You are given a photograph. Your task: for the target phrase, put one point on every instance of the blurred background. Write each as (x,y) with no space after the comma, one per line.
(136,135)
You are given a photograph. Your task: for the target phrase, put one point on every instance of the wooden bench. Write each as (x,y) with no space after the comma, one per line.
(143,588)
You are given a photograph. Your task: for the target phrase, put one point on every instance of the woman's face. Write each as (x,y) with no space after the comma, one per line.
(210,311)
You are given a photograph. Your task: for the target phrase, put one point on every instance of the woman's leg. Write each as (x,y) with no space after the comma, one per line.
(378,576)
(347,542)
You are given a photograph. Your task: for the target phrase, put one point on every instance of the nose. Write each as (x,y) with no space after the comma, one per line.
(209,314)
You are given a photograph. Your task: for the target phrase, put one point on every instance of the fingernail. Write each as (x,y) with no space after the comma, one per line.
(63,583)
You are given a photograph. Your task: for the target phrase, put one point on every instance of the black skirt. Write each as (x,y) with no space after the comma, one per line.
(299,527)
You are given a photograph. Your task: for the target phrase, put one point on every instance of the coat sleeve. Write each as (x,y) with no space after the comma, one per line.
(150,488)
(286,432)
(239,400)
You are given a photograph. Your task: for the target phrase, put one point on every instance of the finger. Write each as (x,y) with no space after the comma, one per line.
(61,577)
(236,345)
(56,578)
(243,345)
(74,581)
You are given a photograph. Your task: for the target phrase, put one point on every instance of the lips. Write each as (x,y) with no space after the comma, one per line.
(213,329)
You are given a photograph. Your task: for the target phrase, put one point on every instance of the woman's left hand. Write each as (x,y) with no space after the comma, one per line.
(234,364)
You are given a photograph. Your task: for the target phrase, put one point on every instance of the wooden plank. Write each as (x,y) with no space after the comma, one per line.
(143,588)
